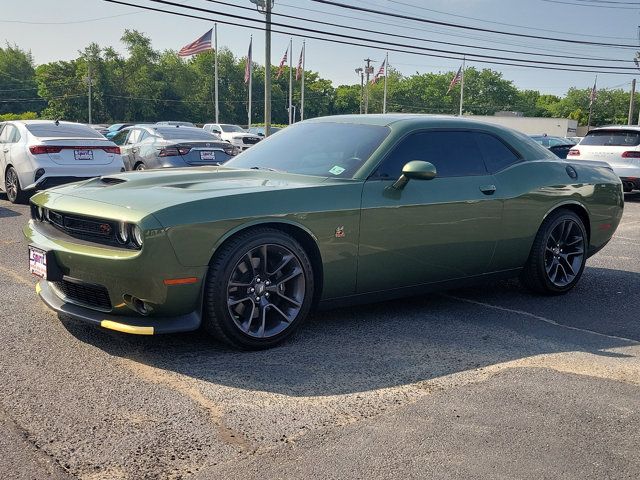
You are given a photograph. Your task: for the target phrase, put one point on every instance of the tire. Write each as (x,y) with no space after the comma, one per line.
(252,304)
(140,167)
(558,254)
(15,194)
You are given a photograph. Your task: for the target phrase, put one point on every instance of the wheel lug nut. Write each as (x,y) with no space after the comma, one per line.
(266,294)
(267,282)
(252,289)
(258,298)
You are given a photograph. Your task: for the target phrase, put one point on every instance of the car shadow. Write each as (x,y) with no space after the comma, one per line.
(6,213)
(395,343)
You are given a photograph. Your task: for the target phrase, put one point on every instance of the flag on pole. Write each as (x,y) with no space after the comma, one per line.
(200,45)
(299,69)
(455,80)
(381,72)
(594,93)
(247,67)
(282,62)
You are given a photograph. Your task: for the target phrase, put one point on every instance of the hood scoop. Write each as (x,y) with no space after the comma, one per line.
(111,180)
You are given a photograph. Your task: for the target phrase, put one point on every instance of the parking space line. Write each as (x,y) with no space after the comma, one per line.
(538,317)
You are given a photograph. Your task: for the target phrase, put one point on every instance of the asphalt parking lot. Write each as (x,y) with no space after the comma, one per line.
(489,382)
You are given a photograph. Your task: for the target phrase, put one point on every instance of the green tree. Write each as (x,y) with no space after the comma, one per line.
(17,81)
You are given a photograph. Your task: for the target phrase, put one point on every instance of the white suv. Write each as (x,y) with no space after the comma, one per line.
(233,134)
(38,154)
(619,146)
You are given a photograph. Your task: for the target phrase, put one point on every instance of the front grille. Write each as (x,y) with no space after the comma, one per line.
(79,226)
(87,294)
(250,140)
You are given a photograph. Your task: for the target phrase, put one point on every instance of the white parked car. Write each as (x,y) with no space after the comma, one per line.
(233,134)
(619,146)
(39,154)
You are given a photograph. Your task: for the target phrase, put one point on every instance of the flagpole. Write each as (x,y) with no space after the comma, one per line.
(249,61)
(462,84)
(215,69)
(290,78)
(386,72)
(302,90)
(591,104)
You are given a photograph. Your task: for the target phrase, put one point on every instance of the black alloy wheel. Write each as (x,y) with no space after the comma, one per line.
(558,254)
(12,186)
(259,289)
(266,290)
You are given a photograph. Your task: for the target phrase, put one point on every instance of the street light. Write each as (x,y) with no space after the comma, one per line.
(360,72)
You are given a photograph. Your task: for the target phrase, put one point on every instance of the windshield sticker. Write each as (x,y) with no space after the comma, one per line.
(336,170)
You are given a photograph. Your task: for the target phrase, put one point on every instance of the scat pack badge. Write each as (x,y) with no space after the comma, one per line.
(340,232)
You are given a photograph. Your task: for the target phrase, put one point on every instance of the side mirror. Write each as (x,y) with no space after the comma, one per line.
(415,170)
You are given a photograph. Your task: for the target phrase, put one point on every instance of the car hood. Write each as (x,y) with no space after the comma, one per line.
(148,191)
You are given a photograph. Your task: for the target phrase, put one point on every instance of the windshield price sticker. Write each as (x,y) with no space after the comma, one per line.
(336,170)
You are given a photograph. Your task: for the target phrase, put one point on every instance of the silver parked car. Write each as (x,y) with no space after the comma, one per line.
(159,146)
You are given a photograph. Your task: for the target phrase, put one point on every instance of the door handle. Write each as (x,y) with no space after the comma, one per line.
(5,150)
(488,189)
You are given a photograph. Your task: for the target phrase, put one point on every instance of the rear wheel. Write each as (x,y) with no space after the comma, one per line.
(558,255)
(140,166)
(12,186)
(259,289)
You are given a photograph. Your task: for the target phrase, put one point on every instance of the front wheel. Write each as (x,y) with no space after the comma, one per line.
(558,255)
(259,289)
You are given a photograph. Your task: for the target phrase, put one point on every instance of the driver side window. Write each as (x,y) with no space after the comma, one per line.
(453,153)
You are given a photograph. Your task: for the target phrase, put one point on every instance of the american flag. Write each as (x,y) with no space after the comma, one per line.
(200,45)
(282,62)
(381,72)
(299,69)
(594,93)
(455,80)
(247,67)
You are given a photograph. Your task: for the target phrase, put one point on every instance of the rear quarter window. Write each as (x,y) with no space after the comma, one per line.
(51,130)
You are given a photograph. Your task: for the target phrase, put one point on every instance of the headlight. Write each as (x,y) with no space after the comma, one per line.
(137,235)
(123,232)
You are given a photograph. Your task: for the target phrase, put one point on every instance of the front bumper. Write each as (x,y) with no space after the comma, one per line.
(133,325)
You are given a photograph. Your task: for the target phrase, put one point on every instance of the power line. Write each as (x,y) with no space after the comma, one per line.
(64,23)
(593,5)
(420,7)
(574,57)
(489,59)
(468,27)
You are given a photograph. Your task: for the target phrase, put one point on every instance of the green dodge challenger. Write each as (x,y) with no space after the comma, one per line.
(327,212)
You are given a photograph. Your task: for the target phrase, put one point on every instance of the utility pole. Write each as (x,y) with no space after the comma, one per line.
(267,69)
(360,73)
(304,59)
(291,119)
(368,70)
(632,102)
(464,59)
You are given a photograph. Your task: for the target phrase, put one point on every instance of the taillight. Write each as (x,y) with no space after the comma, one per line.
(173,151)
(42,149)
(573,151)
(168,152)
(631,154)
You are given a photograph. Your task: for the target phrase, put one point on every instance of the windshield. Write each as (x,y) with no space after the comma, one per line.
(231,128)
(612,138)
(185,133)
(63,130)
(320,149)
(115,126)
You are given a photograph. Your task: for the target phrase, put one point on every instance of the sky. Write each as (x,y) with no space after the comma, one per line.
(57,30)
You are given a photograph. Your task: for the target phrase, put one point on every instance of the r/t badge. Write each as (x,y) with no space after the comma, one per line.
(340,232)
